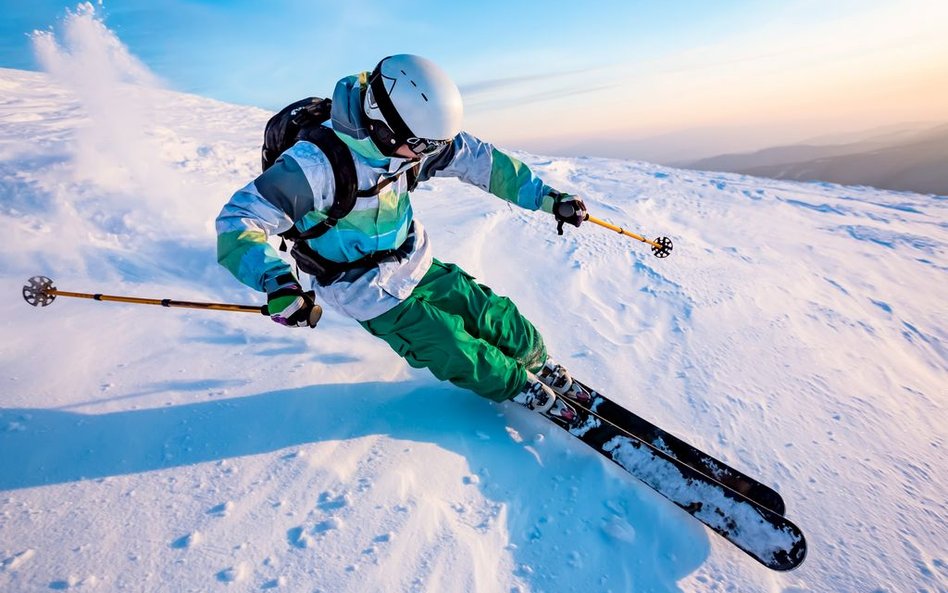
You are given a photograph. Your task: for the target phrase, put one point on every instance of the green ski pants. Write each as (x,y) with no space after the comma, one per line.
(463,333)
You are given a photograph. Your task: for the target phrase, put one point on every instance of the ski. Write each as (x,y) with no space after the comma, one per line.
(758,531)
(681,450)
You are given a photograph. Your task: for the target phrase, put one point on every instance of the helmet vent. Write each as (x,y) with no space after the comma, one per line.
(425,97)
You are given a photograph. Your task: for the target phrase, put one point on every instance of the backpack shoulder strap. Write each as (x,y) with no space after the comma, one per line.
(283,129)
(344,176)
(412,177)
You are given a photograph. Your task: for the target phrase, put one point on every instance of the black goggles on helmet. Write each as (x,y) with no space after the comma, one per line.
(425,145)
(390,136)
(388,142)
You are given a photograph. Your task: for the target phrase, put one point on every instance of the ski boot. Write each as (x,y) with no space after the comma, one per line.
(557,378)
(538,397)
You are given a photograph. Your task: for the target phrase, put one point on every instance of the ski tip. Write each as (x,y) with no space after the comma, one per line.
(786,560)
(769,498)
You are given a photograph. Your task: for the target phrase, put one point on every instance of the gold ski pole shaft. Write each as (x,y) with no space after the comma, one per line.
(161,302)
(661,246)
(40,292)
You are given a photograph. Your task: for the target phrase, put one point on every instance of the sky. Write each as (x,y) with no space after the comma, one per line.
(661,81)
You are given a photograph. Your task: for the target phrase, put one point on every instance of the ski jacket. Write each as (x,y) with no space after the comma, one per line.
(299,188)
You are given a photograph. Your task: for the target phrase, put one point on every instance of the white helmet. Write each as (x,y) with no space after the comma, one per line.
(410,100)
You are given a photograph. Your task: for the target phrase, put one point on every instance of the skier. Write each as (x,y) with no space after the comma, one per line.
(401,124)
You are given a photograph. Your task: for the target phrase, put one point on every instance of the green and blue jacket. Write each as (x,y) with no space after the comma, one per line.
(299,189)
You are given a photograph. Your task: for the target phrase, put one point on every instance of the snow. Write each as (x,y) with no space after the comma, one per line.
(797,332)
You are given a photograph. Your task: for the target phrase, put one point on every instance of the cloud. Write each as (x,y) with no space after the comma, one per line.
(516,91)
(498,84)
(497,102)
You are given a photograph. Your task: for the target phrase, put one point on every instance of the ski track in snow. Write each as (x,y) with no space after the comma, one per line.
(797,332)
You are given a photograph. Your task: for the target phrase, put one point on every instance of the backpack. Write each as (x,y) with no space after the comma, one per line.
(303,120)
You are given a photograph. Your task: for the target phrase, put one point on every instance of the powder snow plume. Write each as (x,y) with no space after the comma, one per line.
(119,165)
(116,149)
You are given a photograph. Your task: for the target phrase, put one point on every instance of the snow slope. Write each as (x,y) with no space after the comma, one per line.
(798,332)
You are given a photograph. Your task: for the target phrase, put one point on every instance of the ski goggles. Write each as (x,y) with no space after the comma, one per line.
(425,146)
(386,138)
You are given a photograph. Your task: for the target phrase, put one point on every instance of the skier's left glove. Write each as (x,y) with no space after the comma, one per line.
(289,305)
(568,209)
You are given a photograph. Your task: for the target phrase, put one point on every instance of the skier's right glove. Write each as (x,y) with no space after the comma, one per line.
(289,305)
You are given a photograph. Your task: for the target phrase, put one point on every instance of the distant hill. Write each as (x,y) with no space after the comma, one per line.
(908,161)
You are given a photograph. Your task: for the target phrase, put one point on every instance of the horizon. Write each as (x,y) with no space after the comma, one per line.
(763,75)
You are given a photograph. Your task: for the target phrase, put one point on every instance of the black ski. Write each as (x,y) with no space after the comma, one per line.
(764,535)
(688,454)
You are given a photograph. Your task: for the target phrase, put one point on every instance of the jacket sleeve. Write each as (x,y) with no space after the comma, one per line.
(481,164)
(271,204)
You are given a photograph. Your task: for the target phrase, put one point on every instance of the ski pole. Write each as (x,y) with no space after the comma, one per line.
(661,246)
(39,291)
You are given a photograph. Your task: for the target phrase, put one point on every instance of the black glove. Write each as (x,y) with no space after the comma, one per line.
(568,209)
(289,305)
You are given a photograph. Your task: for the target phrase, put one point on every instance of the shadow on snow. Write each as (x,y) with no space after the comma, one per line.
(641,540)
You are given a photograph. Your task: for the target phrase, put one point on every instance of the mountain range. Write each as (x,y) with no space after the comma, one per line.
(910,159)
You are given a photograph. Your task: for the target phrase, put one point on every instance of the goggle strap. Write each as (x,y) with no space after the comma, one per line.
(380,94)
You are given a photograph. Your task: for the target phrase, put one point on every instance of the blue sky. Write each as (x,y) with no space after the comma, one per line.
(558,76)
(257,52)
